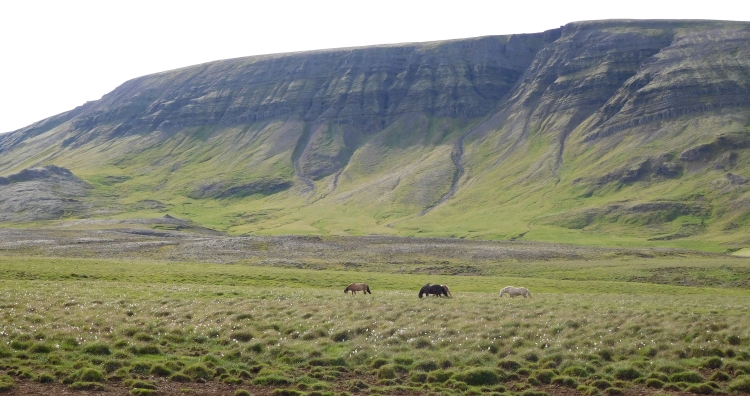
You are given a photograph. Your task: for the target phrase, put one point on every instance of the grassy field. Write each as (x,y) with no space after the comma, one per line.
(139,324)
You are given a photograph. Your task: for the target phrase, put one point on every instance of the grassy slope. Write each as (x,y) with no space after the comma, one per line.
(383,188)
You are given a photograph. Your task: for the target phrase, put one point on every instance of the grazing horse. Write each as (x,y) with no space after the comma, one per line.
(437,290)
(515,291)
(355,287)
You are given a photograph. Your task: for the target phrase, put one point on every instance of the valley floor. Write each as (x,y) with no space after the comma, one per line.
(136,310)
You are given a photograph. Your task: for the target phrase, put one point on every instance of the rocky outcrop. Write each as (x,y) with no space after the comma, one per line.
(224,190)
(44,193)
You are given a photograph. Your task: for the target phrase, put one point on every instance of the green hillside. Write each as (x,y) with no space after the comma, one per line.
(598,133)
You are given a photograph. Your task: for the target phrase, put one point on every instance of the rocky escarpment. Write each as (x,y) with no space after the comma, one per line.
(365,86)
(44,193)
(340,95)
(701,70)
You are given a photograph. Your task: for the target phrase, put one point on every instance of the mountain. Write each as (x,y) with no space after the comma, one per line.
(601,132)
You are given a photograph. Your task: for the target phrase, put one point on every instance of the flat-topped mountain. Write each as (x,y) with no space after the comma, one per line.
(602,132)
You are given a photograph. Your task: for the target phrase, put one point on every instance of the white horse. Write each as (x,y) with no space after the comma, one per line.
(515,291)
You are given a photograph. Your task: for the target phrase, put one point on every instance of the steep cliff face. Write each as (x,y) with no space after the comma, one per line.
(501,136)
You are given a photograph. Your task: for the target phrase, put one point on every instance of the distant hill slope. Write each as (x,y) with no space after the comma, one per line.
(601,132)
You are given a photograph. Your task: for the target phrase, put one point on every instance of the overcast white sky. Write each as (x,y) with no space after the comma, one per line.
(56,55)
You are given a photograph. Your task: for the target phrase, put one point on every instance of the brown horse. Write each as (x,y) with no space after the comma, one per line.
(355,287)
(436,290)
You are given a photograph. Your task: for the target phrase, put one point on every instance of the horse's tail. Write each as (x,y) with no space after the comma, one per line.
(368,289)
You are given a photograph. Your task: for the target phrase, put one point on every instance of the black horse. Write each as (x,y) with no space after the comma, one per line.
(436,290)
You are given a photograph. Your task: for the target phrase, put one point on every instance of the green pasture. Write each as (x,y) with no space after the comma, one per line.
(711,276)
(90,323)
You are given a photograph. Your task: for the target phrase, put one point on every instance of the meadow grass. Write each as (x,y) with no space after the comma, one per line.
(86,322)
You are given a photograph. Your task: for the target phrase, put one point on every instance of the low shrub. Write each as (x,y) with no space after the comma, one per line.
(720,376)
(510,365)
(111,366)
(544,376)
(601,384)
(378,363)
(287,392)
(566,381)
(478,376)
(649,352)
(83,385)
(605,355)
(91,375)
(654,383)
(272,379)
(551,362)
(144,350)
(243,336)
(403,360)
(231,380)
(160,370)
(242,392)
(20,345)
(741,384)
(576,371)
(98,348)
(198,371)
(141,368)
(669,368)
(439,376)
(6,383)
(179,377)
(613,391)
(588,390)
(627,373)
(687,376)
(701,389)
(672,387)
(327,362)
(40,348)
(712,363)
(387,372)
(660,376)
(136,383)
(523,371)
(46,378)
(420,377)
(427,365)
